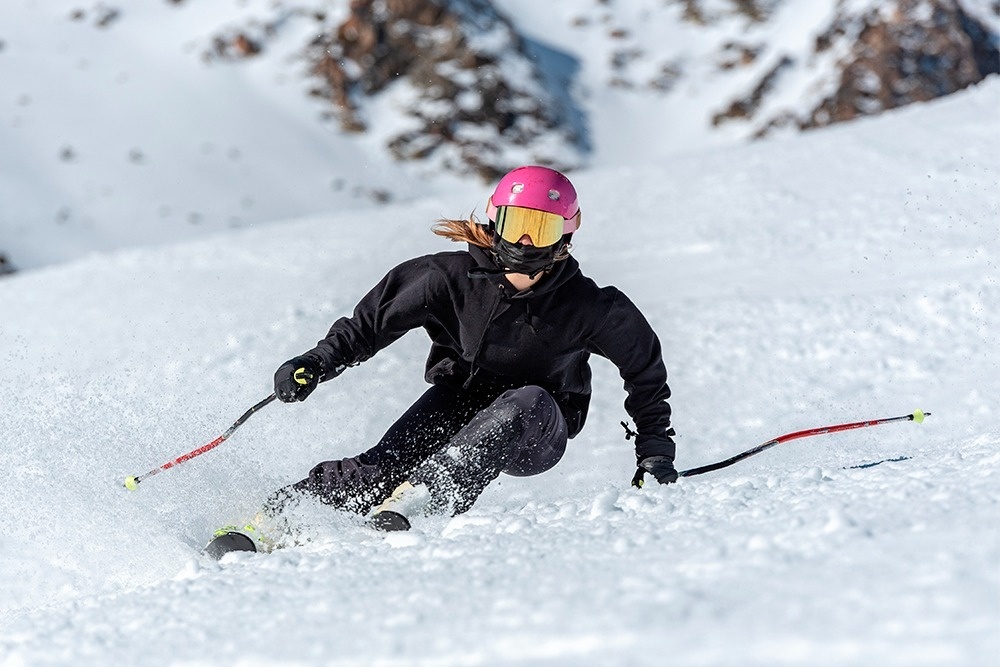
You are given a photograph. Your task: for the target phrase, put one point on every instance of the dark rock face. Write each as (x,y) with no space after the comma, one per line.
(5,265)
(921,50)
(901,52)
(477,91)
(451,84)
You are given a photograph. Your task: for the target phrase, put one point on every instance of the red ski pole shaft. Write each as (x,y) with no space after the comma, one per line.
(917,416)
(131,483)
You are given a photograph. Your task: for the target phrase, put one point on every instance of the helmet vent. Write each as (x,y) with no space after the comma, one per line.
(554,195)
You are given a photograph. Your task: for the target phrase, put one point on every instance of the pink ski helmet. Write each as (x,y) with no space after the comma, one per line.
(538,188)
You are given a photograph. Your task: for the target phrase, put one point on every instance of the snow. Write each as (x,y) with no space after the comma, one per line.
(206,229)
(840,275)
(123,136)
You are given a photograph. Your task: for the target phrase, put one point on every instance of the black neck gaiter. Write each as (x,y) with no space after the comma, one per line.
(525,259)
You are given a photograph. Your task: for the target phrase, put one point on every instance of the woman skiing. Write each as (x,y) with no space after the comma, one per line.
(512,323)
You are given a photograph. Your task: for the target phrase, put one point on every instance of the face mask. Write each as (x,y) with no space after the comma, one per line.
(526,259)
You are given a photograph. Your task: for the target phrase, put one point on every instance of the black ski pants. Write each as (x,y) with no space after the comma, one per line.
(456,442)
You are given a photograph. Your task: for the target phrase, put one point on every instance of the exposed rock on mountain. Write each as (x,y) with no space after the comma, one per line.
(6,267)
(478,94)
(916,51)
(452,83)
(889,55)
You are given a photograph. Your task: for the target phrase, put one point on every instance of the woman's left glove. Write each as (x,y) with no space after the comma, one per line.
(296,378)
(660,467)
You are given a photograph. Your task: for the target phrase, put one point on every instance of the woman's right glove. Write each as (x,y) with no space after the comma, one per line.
(296,378)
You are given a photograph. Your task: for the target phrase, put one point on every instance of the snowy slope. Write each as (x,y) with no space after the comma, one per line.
(842,275)
(122,136)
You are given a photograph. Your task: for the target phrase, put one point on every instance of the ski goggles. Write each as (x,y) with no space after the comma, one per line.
(512,223)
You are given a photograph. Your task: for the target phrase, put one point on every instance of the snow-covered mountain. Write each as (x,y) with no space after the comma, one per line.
(131,123)
(485,85)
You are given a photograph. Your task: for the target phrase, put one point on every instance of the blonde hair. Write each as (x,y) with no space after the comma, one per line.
(470,231)
(465,231)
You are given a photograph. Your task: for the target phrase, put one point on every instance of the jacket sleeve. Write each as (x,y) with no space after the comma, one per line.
(397,304)
(629,342)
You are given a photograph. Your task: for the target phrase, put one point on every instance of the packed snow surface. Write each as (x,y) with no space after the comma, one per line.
(841,275)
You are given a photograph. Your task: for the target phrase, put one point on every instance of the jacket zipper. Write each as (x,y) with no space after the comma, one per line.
(482,337)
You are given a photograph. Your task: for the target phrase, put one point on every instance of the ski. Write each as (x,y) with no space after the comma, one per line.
(229,539)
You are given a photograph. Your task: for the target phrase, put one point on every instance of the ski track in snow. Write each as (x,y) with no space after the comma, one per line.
(842,275)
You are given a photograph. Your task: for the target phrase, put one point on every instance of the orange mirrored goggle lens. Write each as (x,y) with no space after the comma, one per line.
(513,222)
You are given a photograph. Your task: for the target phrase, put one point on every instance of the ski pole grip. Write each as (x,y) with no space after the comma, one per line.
(303,376)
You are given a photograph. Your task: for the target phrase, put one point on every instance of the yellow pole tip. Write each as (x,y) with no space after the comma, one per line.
(918,416)
(131,483)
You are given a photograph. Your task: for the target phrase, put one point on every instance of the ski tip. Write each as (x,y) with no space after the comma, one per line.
(918,416)
(227,541)
(131,483)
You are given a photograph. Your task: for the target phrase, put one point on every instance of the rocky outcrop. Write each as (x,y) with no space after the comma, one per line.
(6,267)
(893,54)
(452,85)
(475,99)
(916,51)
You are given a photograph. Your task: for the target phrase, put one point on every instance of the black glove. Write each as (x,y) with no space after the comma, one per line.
(296,378)
(660,467)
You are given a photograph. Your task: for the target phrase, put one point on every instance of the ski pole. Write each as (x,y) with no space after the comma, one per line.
(132,483)
(916,416)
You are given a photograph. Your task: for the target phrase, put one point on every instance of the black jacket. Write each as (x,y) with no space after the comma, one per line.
(482,330)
